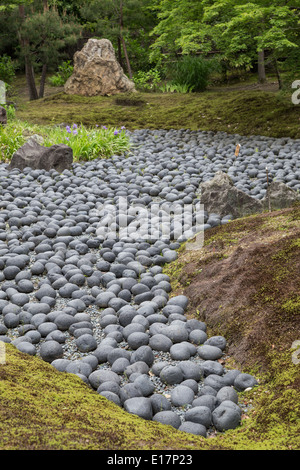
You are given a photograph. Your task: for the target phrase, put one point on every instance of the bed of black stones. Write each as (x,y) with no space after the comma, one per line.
(100,306)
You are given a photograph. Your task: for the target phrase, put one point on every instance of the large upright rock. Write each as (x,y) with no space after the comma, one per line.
(280,196)
(97,71)
(58,157)
(219,195)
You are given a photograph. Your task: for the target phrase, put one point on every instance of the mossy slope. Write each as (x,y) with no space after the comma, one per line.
(244,112)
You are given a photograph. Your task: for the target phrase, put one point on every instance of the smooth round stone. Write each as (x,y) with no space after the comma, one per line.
(193,324)
(230,376)
(215,381)
(98,377)
(210,401)
(132,328)
(20,299)
(126,315)
(11,320)
(34,336)
(193,428)
(55,335)
(116,353)
(197,337)
(63,321)
(227,393)
(160,342)
(144,384)
(159,403)
(218,341)
(191,370)
(128,391)
(168,417)
(137,339)
(46,328)
(120,365)
(143,354)
(212,367)
(102,351)
(199,414)
(182,395)
(110,386)
(244,381)
(180,352)
(86,343)
(171,375)
(79,367)
(208,352)
(111,396)
(176,333)
(82,331)
(108,320)
(51,350)
(27,348)
(179,300)
(140,406)
(60,364)
(226,416)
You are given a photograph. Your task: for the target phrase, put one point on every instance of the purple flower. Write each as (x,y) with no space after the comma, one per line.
(116,132)
(97,125)
(75,126)
(68,129)
(75,132)
(104,127)
(123,127)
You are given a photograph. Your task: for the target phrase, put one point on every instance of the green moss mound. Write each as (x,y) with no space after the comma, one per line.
(244,112)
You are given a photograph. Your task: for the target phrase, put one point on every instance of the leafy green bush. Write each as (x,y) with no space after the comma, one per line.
(7,69)
(64,71)
(147,81)
(191,71)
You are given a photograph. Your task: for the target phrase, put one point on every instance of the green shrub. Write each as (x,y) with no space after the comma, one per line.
(191,71)
(7,69)
(64,71)
(147,81)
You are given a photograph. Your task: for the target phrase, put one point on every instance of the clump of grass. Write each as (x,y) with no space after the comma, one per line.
(86,143)
(11,138)
(90,143)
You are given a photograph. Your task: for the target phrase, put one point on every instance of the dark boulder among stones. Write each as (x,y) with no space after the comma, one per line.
(57,157)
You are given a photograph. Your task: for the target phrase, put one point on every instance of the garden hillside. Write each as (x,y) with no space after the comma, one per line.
(244,108)
(252,268)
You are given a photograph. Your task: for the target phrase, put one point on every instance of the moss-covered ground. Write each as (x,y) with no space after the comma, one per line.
(244,110)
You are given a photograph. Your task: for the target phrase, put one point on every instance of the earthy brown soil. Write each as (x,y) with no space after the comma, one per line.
(245,284)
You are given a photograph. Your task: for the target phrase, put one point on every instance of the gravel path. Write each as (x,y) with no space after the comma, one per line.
(81,257)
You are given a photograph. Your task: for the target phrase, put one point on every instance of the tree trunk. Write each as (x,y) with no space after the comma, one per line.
(123,41)
(277,73)
(43,81)
(33,94)
(120,52)
(261,67)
